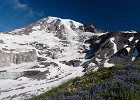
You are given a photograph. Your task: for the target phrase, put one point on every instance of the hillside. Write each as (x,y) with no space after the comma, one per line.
(120,82)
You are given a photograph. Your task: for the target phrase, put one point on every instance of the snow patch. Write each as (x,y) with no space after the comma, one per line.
(92,64)
(96,68)
(106,64)
(115,46)
(125,46)
(128,49)
(136,41)
(131,38)
(36,27)
(98,60)
(99,34)
(129,31)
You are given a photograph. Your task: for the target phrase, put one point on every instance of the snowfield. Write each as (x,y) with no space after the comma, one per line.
(15,85)
(23,87)
(36,62)
(27,79)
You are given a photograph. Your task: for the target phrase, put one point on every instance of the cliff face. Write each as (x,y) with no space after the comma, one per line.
(6,58)
(113,48)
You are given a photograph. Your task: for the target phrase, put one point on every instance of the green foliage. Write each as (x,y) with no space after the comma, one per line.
(136,62)
(90,77)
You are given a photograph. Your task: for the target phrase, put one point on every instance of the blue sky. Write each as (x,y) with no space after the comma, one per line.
(113,15)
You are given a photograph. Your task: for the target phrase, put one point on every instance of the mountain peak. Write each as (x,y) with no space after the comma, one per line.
(52,50)
(68,23)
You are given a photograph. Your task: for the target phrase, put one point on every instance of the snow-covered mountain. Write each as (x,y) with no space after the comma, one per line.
(42,55)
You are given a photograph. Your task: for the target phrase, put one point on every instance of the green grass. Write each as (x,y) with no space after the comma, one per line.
(136,63)
(90,77)
(53,90)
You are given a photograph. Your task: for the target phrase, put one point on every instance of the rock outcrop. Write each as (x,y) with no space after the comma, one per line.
(17,58)
(113,48)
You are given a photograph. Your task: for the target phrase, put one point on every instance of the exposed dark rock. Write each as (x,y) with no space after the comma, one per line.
(47,53)
(1,41)
(69,63)
(73,27)
(62,27)
(90,28)
(56,76)
(138,50)
(76,63)
(54,64)
(81,28)
(3,71)
(120,57)
(40,46)
(36,74)
(36,66)
(96,46)
(41,59)
(54,26)
(31,73)
(60,35)
(102,48)
(47,64)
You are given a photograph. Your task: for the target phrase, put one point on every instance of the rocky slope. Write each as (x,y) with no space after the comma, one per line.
(113,48)
(45,53)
